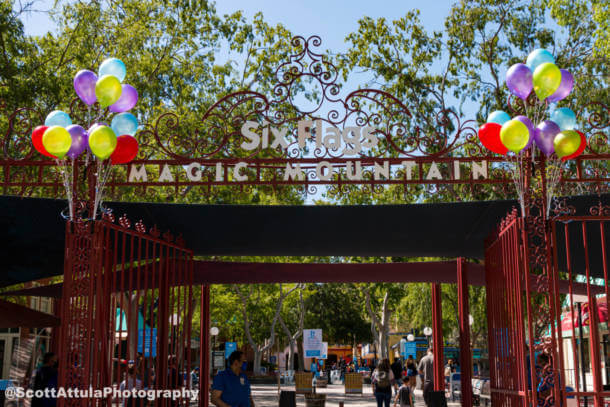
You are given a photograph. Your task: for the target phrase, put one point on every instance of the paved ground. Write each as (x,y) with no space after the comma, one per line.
(267,396)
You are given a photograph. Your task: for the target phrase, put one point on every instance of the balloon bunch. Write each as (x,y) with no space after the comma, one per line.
(64,141)
(555,137)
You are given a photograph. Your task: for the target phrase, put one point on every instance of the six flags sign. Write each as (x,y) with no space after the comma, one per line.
(347,161)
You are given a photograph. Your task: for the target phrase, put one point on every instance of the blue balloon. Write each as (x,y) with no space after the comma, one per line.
(114,67)
(124,123)
(498,116)
(565,118)
(538,57)
(58,118)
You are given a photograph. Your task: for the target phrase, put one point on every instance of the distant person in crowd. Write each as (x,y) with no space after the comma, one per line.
(173,377)
(381,380)
(412,372)
(405,394)
(45,377)
(194,378)
(426,369)
(397,371)
(449,368)
(131,382)
(231,387)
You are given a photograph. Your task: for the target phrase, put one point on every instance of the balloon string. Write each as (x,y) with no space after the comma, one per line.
(102,177)
(67,181)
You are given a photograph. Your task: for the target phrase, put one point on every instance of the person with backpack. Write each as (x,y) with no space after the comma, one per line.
(382,379)
(405,394)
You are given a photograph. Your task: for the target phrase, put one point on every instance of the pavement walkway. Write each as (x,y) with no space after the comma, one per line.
(267,396)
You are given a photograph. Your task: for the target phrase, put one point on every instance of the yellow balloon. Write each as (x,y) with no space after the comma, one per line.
(566,143)
(546,79)
(514,135)
(102,142)
(108,90)
(57,141)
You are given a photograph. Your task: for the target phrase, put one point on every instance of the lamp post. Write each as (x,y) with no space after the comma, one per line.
(428,333)
(214,332)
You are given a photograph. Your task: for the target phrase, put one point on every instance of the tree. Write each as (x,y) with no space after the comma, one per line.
(300,324)
(337,310)
(249,303)
(380,305)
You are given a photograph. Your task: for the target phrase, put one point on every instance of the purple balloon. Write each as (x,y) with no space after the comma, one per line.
(79,140)
(545,134)
(128,99)
(565,87)
(530,126)
(519,80)
(84,85)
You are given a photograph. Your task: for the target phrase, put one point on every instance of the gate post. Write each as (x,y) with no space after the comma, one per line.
(437,335)
(465,350)
(204,347)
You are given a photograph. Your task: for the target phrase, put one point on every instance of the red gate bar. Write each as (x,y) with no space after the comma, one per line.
(437,335)
(204,348)
(465,349)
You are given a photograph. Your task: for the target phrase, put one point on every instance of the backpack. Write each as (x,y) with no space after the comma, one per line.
(383,379)
(405,400)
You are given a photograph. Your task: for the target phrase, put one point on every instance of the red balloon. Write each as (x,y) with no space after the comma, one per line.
(583,145)
(489,134)
(37,141)
(125,151)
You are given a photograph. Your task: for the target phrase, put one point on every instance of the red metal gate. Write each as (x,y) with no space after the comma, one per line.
(128,304)
(532,359)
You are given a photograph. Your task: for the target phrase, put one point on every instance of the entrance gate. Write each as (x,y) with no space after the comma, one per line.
(128,291)
(525,311)
(127,302)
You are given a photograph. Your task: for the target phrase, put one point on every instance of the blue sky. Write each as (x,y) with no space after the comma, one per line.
(331,19)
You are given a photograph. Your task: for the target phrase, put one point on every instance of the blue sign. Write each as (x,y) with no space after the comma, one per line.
(312,354)
(147,342)
(272,359)
(410,348)
(230,347)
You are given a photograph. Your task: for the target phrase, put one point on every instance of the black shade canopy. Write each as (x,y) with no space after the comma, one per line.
(32,231)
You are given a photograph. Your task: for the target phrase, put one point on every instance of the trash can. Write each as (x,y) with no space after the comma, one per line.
(288,398)
(437,399)
(315,400)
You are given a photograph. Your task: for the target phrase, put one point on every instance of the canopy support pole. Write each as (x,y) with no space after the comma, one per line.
(465,350)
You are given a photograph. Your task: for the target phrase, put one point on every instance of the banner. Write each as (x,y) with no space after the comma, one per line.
(147,342)
(324,352)
(312,343)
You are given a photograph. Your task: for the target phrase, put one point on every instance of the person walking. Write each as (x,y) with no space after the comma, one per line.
(131,382)
(231,387)
(405,394)
(397,371)
(412,372)
(381,380)
(46,378)
(426,369)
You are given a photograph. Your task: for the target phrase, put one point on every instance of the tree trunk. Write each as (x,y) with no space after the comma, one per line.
(292,338)
(258,356)
(258,350)
(380,327)
(301,356)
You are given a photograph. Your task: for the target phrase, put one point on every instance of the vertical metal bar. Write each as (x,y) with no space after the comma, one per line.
(204,347)
(572,314)
(582,352)
(593,327)
(532,395)
(464,316)
(437,334)
(560,393)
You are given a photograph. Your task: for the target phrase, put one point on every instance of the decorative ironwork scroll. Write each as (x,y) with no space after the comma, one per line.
(303,133)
